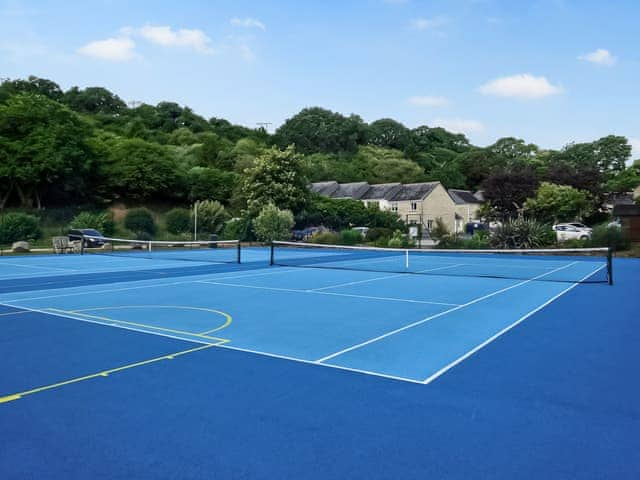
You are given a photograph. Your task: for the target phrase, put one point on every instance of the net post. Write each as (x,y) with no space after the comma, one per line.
(239,252)
(406,259)
(610,265)
(272,255)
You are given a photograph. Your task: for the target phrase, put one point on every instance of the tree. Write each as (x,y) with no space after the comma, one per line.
(558,203)
(276,177)
(316,130)
(140,170)
(94,100)
(388,133)
(210,183)
(211,216)
(513,151)
(33,85)
(215,152)
(42,144)
(624,181)
(506,190)
(273,224)
(425,139)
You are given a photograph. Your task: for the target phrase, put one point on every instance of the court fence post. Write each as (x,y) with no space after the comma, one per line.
(271,255)
(610,265)
(82,245)
(239,252)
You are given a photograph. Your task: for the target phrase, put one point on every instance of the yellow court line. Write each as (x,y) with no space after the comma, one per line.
(227,317)
(104,373)
(143,325)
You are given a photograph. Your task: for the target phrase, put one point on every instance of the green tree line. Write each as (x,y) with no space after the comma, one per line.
(88,146)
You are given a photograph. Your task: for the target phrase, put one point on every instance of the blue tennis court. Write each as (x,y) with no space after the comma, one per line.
(329,363)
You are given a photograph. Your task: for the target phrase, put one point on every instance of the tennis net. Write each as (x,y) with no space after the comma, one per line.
(220,251)
(574,265)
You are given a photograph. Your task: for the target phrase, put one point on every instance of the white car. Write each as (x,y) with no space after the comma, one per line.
(572,231)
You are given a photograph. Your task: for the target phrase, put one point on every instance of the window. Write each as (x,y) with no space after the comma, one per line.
(414,206)
(429,224)
(394,207)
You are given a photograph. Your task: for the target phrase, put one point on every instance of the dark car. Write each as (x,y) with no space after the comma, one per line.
(95,240)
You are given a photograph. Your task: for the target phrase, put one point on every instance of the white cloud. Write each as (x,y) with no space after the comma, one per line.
(118,49)
(599,57)
(429,101)
(520,86)
(428,23)
(458,125)
(248,23)
(184,37)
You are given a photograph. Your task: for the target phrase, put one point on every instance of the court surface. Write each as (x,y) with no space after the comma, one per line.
(125,367)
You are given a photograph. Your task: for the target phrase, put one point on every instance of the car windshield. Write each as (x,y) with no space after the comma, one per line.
(92,233)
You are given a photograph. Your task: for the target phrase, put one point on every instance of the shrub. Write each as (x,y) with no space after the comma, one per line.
(238,229)
(140,221)
(103,222)
(273,224)
(329,238)
(479,240)
(211,216)
(522,233)
(612,237)
(178,221)
(19,226)
(399,240)
(376,233)
(440,230)
(350,237)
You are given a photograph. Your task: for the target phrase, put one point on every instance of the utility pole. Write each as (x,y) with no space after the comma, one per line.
(264,125)
(134,104)
(195,221)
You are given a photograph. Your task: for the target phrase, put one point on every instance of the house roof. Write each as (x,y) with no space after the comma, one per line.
(623,210)
(462,197)
(353,190)
(381,191)
(324,188)
(414,191)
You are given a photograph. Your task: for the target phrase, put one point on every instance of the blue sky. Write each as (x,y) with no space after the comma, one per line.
(549,71)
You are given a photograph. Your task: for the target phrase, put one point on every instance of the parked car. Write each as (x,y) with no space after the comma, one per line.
(572,231)
(96,240)
(363,230)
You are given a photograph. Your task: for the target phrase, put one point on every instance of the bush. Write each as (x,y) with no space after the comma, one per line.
(328,238)
(440,230)
(350,237)
(522,233)
(140,221)
(103,222)
(612,237)
(238,229)
(178,221)
(19,226)
(479,240)
(273,224)
(399,240)
(211,216)
(377,233)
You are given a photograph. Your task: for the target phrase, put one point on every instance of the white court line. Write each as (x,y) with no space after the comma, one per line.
(381,278)
(437,315)
(136,287)
(460,359)
(105,324)
(311,362)
(13,313)
(38,267)
(314,292)
(239,349)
